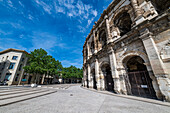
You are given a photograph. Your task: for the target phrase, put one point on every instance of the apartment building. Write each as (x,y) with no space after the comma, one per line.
(12,62)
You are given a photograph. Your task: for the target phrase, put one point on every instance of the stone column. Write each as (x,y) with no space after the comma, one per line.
(108,29)
(95,42)
(114,71)
(156,64)
(136,8)
(97,74)
(88,50)
(89,77)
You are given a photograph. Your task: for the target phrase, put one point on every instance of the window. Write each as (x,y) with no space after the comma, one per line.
(20,67)
(7,58)
(16,78)
(24,77)
(11,66)
(14,57)
(22,59)
(8,76)
(3,66)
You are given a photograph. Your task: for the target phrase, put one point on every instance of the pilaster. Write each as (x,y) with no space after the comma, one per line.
(95,42)
(89,77)
(156,64)
(108,29)
(114,71)
(97,74)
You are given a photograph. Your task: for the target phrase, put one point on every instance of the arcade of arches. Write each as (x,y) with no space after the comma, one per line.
(127,50)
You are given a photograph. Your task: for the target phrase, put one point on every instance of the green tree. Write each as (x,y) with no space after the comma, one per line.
(39,62)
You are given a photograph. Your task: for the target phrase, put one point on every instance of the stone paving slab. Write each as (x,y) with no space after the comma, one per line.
(26,97)
(80,100)
(17,91)
(132,97)
(11,90)
(5,97)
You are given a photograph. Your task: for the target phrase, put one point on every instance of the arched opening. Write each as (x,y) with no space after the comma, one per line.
(161,5)
(108,79)
(140,82)
(102,37)
(92,47)
(94,79)
(123,22)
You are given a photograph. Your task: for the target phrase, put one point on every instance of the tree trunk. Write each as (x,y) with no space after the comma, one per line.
(42,81)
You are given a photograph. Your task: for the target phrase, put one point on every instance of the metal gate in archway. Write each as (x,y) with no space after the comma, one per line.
(141,84)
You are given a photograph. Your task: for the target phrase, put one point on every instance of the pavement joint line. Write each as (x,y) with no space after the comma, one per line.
(21,91)
(23,95)
(1,105)
(133,98)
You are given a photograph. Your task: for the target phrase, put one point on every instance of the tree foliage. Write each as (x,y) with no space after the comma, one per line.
(39,62)
(72,72)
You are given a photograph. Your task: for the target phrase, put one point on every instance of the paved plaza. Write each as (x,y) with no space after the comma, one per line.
(71,99)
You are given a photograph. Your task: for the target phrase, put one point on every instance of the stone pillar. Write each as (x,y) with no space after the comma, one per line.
(89,77)
(88,50)
(114,71)
(84,77)
(108,29)
(156,64)
(95,42)
(136,8)
(97,74)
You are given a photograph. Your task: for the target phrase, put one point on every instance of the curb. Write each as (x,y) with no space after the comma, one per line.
(157,102)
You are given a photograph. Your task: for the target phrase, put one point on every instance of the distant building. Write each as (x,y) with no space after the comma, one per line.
(12,62)
(128,49)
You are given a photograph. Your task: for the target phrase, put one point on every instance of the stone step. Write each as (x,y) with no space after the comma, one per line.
(21,94)
(18,91)
(26,97)
(10,90)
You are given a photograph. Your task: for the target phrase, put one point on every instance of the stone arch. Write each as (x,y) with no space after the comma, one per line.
(122,20)
(125,8)
(105,69)
(128,55)
(93,78)
(102,37)
(103,63)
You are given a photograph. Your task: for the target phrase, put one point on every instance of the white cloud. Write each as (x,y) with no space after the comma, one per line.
(30,17)
(94,12)
(46,41)
(67,63)
(59,9)
(21,3)
(47,8)
(89,22)
(10,3)
(10,43)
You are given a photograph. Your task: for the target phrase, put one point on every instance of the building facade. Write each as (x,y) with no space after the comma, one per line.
(12,62)
(128,49)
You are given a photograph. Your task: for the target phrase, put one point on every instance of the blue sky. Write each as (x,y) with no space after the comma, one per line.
(58,26)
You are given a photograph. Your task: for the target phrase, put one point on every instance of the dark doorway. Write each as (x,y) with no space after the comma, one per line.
(94,79)
(29,80)
(141,83)
(109,84)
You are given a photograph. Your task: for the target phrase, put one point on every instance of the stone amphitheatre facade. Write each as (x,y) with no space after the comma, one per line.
(128,49)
